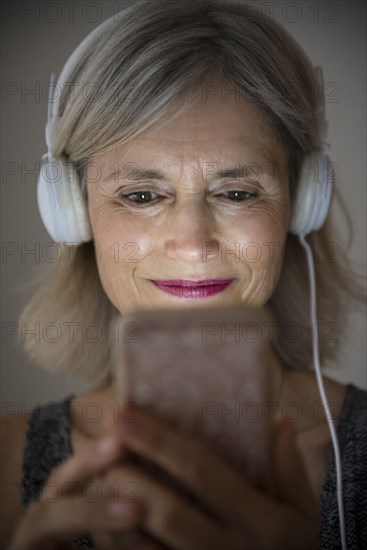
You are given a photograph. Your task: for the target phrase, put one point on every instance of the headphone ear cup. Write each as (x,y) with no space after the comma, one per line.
(61,204)
(313,196)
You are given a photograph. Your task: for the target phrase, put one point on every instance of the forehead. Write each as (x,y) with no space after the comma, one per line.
(219,129)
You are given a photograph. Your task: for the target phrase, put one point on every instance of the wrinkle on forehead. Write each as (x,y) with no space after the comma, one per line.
(212,132)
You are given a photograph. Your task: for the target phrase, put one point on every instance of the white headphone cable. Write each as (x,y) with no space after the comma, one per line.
(315,346)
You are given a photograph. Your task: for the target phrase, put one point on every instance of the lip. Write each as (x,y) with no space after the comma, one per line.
(185,288)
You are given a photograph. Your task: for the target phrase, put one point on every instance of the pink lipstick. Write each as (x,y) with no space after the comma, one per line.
(184,288)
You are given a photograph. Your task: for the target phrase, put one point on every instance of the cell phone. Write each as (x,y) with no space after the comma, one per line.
(205,371)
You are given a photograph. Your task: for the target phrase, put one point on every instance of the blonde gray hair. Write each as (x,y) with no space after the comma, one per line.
(149,67)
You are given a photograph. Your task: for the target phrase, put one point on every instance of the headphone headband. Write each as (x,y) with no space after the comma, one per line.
(75,57)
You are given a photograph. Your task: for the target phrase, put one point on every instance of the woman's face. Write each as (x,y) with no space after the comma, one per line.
(197,212)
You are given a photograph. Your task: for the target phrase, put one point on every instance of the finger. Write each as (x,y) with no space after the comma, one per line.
(131,540)
(215,483)
(105,541)
(293,482)
(92,459)
(167,516)
(65,518)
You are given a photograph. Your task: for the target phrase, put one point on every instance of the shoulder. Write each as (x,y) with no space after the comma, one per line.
(32,444)
(356,401)
(12,442)
(353,423)
(47,445)
(352,439)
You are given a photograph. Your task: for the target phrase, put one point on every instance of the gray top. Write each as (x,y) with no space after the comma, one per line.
(47,444)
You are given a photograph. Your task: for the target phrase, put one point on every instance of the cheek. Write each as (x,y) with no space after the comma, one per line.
(260,240)
(262,233)
(123,243)
(116,236)
(115,246)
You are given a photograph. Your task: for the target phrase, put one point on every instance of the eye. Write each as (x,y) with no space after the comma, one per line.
(238,195)
(139,197)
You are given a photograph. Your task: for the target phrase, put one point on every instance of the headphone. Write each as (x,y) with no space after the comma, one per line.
(63,208)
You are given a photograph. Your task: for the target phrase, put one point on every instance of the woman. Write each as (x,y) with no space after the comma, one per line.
(182,88)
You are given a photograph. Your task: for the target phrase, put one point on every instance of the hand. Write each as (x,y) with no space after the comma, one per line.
(51,523)
(248,519)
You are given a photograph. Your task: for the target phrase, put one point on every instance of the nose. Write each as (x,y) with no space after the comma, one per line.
(192,236)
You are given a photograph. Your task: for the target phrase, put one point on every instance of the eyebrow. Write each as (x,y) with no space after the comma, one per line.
(141,174)
(238,172)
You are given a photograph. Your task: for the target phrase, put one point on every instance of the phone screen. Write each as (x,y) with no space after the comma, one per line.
(206,372)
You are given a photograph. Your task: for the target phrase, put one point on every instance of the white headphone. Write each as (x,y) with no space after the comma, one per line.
(63,208)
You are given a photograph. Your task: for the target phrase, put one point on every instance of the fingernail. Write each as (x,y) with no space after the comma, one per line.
(119,510)
(107,445)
